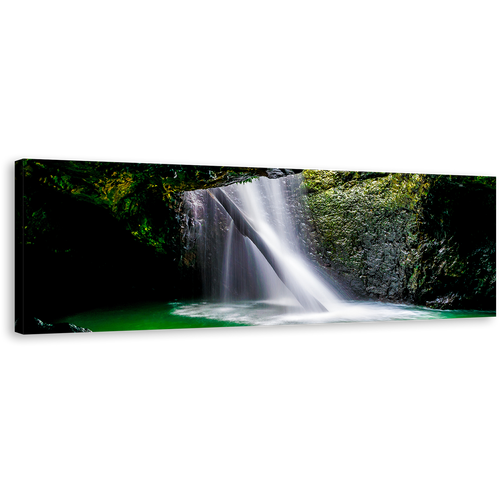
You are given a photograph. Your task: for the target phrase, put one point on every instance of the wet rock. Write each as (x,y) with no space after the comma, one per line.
(34,325)
(448,302)
(274,173)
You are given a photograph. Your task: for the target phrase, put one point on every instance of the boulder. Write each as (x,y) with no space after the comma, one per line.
(275,173)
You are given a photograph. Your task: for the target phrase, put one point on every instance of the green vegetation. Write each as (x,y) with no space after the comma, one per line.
(145,197)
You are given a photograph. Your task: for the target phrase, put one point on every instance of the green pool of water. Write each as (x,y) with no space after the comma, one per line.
(149,316)
(179,315)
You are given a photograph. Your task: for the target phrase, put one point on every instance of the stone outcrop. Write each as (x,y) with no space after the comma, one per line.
(415,238)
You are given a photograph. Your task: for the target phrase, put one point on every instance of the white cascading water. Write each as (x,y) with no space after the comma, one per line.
(235,269)
(266,204)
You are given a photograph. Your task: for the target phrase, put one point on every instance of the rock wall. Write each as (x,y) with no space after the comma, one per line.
(414,238)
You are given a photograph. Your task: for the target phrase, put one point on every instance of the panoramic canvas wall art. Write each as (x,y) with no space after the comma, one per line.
(104,246)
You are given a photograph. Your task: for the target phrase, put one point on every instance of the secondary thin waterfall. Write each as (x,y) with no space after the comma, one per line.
(249,241)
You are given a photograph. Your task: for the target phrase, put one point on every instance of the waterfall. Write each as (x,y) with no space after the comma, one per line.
(251,244)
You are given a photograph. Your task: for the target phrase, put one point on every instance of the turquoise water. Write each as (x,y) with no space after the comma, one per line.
(179,315)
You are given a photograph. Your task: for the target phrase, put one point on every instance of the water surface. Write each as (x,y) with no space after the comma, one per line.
(181,315)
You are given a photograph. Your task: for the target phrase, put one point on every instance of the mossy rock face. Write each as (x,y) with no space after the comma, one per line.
(403,237)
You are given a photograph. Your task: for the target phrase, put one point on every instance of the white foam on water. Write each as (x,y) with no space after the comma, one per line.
(268,313)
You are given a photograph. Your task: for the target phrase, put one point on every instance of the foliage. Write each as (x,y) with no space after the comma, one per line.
(36,221)
(467,180)
(143,195)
